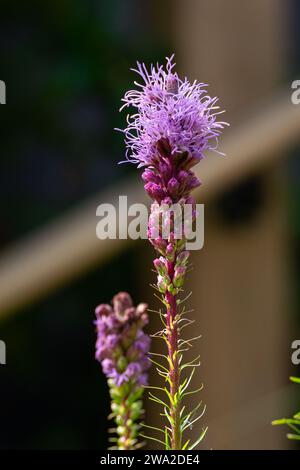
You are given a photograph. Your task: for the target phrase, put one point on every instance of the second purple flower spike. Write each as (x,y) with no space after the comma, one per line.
(122,349)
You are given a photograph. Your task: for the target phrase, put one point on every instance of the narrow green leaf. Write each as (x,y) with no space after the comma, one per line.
(190,423)
(158,400)
(152,438)
(204,431)
(186,383)
(296,380)
(158,364)
(295,437)
(151,427)
(186,445)
(193,391)
(167,442)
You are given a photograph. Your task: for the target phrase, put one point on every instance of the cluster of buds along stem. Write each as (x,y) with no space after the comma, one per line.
(167,282)
(122,349)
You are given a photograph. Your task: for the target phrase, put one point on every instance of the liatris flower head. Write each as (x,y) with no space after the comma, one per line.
(175,123)
(122,349)
(121,345)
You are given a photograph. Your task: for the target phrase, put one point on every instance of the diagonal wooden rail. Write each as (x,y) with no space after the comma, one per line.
(62,250)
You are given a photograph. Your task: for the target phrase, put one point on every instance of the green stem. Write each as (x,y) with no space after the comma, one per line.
(174,370)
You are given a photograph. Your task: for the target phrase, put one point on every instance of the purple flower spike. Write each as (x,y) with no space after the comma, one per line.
(120,331)
(173,123)
(122,349)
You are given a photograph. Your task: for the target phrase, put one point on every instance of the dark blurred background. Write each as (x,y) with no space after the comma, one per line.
(66,66)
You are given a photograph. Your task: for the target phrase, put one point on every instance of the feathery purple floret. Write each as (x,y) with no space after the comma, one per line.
(175,123)
(171,109)
(122,346)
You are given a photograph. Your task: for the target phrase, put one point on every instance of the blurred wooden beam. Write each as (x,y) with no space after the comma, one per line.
(64,249)
(265,136)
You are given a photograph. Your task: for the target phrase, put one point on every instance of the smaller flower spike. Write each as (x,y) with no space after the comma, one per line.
(122,349)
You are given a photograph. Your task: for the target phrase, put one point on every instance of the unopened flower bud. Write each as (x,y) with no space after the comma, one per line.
(155,191)
(161,284)
(103,310)
(119,420)
(122,410)
(173,289)
(149,176)
(160,266)
(136,409)
(121,430)
(170,251)
(114,407)
(182,258)
(179,275)
(121,364)
(173,187)
(121,302)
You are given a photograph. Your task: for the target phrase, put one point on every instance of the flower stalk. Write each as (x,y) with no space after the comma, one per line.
(174,370)
(171,270)
(174,124)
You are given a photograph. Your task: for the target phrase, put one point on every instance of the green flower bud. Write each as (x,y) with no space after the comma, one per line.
(114,407)
(122,410)
(134,396)
(160,266)
(179,275)
(173,289)
(119,420)
(136,409)
(182,258)
(161,284)
(122,364)
(121,430)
